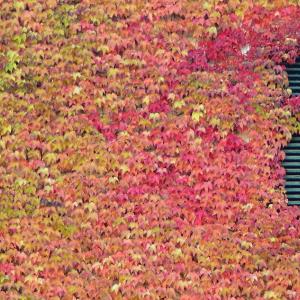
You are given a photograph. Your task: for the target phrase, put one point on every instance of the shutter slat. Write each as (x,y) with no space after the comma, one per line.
(293,190)
(292,183)
(295,138)
(293,69)
(292,171)
(293,202)
(289,178)
(294,197)
(295,159)
(290,152)
(291,164)
(293,145)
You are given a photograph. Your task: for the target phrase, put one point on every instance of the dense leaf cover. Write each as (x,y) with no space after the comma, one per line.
(140,150)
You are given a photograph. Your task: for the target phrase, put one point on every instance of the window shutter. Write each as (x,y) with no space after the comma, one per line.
(293,72)
(291,162)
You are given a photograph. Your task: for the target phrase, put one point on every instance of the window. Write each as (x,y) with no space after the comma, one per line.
(291,162)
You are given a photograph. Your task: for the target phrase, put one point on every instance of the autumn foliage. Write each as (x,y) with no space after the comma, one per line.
(141,148)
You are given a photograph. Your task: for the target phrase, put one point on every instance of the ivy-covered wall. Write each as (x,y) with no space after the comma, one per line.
(140,149)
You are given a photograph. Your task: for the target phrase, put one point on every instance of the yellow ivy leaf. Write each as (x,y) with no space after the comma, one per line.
(115,288)
(20,182)
(179,104)
(124,169)
(50,158)
(146,100)
(212,30)
(113,179)
(77,90)
(154,116)
(271,295)
(196,115)
(112,72)
(214,121)
(207,5)
(177,253)
(43,171)
(6,129)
